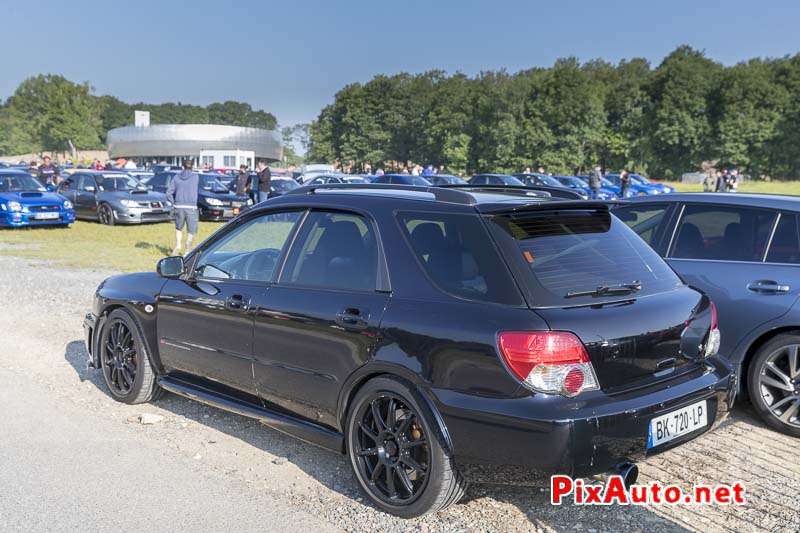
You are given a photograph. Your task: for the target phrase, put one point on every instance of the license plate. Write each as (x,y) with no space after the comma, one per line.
(46,216)
(227,213)
(672,425)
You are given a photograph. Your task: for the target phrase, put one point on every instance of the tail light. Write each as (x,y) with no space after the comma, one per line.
(714,337)
(554,362)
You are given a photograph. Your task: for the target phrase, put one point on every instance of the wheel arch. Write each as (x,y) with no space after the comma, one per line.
(366,373)
(135,313)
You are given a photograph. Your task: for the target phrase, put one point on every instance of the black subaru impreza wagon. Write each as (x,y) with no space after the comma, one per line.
(434,335)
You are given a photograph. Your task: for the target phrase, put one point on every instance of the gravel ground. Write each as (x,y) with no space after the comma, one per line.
(210,449)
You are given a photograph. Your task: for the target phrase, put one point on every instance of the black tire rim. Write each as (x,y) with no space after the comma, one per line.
(779,384)
(120,358)
(105,215)
(391,450)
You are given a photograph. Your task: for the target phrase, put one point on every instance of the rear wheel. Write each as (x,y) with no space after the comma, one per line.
(398,452)
(124,360)
(105,215)
(774,383)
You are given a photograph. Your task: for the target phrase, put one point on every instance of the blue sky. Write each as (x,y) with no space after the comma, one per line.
(291,57)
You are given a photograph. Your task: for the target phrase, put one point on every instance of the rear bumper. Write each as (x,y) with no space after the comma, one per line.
(19,219)
(527,439)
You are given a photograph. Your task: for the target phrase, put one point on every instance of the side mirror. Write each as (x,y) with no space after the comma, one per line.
(170,267)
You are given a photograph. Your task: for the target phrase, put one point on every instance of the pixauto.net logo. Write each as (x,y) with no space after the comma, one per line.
(614,492)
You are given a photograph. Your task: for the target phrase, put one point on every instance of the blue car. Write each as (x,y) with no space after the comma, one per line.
(445,179)
(742,250)
(25,202)
(636,189)
(577,184)
(660,187)
(495,179)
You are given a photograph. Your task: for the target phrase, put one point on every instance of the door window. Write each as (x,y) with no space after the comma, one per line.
(334,251)
(646,220)
(785,245)
(722,233)
(249,252)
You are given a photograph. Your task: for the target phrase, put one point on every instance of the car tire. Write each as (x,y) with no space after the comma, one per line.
(404,452)
(105,215)
(767,388)
(124,360)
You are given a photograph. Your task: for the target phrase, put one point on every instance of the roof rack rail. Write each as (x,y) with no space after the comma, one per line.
(439,193)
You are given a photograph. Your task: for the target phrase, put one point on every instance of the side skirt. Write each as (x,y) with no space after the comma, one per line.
(311,433)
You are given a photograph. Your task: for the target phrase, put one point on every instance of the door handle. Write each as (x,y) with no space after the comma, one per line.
(238,302)
(353,318)
(767,286)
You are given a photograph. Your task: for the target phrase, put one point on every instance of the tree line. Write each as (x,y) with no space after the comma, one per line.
(48,112)
(663,121)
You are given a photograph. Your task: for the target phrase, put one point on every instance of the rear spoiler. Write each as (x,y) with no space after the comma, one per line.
(552,192)
(585,205)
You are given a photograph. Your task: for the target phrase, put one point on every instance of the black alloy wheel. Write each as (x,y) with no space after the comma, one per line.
(105,215)
(399,454)
(124,360)
(774,383)
(120,358)
(392,449)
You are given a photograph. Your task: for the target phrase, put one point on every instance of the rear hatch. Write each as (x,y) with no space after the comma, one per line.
(584,271)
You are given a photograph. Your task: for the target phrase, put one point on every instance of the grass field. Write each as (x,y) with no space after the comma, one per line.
(137,248)
(92,245)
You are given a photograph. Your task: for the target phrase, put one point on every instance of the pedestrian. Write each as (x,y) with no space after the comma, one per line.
(595,180)
(243,181)
(182,193)
(379,172)
(48,173)
(733,180)
(722,181)
(441,169)
(404,170)
(368,169)
(540,170)
(415,170)
(710,179)
(428,171)
(527,170)
(264,179)
(108,166)
(624,183)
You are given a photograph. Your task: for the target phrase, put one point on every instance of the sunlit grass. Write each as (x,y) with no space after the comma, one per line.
(92,245)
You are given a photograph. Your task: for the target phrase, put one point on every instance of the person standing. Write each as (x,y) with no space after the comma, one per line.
(243,181)
(264,179)
(733,180)
(182,193)
(722,181)
(624,183)
(48,173)
(595,177)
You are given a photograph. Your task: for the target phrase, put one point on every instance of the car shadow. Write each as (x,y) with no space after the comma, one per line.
(333,471)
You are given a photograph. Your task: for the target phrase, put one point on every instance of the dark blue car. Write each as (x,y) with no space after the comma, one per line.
(214,200)
(25,202)
(403,179)
(743,250)
(495,179)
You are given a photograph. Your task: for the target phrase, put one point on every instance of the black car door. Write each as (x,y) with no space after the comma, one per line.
(205,321)
(320,322)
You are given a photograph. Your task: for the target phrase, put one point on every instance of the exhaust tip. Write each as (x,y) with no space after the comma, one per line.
(629,473)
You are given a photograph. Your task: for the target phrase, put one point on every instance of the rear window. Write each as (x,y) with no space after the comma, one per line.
(559,253)
(459,257)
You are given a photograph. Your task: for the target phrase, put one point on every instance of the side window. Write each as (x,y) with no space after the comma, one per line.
(646,220)
(251,251)
(478,180)
(334,251)
(785,245)
(457,254)
(80,182)
(157,181)
(722,233)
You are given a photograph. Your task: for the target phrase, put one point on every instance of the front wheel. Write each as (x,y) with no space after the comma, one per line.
(774,383)
(124,361)
(398,452)
(105,215)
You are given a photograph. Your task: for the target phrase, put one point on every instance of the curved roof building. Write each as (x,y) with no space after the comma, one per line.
(203,142)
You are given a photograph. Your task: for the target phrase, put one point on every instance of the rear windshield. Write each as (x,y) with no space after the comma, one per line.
(560,254)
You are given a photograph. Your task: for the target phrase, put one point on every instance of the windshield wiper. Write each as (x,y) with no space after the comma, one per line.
(608,290)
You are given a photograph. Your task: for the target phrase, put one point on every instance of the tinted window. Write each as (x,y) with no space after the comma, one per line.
(785,245)
(578,251)
(250,252)
(158,181)
(722,233)
(459,257)
(335,251)
(645,220)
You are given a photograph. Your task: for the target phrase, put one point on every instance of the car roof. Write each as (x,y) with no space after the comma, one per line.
(770,201)
(482,198)
(13,172)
